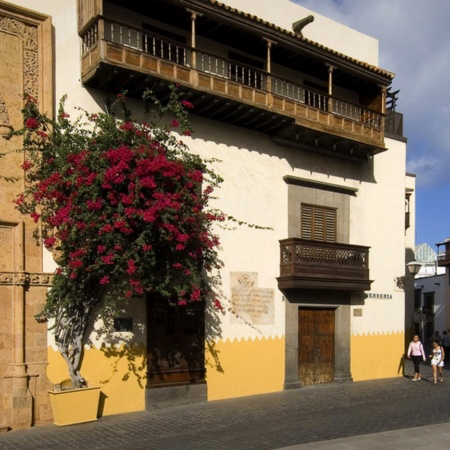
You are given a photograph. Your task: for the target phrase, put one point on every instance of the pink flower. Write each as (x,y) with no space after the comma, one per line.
(127,126)
(20,199)
(35,216)
(108,259)
(27,165)
(49,242)
(131,267)
(94,205)
(104,280)
(106,229)
(136,285)
(174,123)
(32,123)
(76,264)
(196,176)
(217,304)
(187,104)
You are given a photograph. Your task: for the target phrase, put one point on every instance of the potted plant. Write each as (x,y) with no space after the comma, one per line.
(123,206)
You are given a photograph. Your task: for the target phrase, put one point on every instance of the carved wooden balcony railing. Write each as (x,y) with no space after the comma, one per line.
(308,264)
(144,56)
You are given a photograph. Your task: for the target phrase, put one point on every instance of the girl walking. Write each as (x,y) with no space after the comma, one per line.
(437,361)
(417,353)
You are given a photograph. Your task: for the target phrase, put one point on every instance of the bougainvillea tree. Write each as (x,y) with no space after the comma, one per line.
(124,207)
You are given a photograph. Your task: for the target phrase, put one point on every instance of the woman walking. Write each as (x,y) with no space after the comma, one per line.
(437,361)
(417,353)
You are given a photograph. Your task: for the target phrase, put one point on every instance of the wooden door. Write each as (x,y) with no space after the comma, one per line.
(316,328)
(175,343)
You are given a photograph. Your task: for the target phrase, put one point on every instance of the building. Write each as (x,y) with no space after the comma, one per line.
(430,293)
(432,296)
(425,255)
(296,114)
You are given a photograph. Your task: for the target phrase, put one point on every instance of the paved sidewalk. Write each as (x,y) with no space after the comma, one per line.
(429,437)
(390,413)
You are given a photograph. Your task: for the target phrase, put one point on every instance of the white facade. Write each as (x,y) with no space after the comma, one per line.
(254,351)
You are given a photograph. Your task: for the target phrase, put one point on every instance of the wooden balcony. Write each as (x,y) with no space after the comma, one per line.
(443,259)
(117,57)
(322,265)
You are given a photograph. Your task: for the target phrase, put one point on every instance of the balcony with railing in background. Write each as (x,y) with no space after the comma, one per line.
(443,258)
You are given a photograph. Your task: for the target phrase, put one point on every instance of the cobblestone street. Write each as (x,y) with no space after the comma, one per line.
(269,421)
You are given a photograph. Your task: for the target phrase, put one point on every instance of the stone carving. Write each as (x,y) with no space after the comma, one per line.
(30,54)
(26,279)
(5,126)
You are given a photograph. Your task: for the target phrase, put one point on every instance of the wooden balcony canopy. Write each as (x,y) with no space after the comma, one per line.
(118,56)
(308,264)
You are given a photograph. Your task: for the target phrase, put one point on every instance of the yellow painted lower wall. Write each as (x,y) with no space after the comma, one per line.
(245,367)
(119,371)
(377,355)
(234,369)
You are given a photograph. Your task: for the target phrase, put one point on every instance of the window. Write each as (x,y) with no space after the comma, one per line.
(318,223)
(428,303)
(417,299)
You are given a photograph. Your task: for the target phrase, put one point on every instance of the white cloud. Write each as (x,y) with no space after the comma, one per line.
(415,45)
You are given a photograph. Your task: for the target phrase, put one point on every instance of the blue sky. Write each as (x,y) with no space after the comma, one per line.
(414,38)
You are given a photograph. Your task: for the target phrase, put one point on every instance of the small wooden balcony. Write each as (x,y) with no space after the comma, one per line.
(308,264)
(117,57)
(443,259)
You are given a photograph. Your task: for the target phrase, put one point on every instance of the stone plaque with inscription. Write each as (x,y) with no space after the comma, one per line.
(249,302)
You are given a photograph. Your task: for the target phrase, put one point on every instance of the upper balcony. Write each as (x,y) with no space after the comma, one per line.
(334,105)
(443,259)
(308,264)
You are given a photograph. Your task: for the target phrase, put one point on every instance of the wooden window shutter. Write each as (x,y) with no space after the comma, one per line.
(318,223)
(307,222)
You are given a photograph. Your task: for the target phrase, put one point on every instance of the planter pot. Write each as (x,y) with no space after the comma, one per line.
(75,405)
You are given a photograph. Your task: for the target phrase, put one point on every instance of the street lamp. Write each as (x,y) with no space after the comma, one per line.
(413,269)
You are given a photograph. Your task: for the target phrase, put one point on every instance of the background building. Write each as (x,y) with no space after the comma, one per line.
(432,293)
(296,115)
